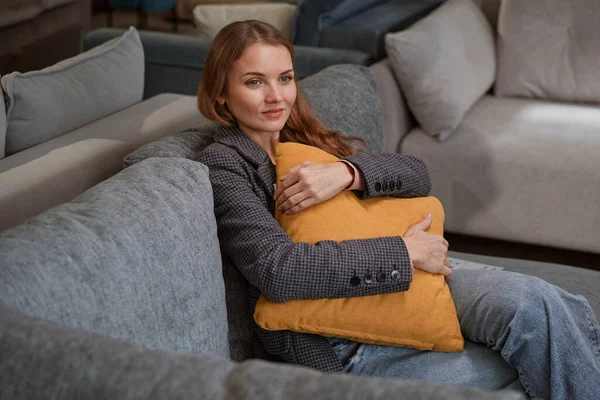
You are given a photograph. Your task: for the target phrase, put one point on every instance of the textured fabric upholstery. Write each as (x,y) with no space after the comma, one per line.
(548,49)
(520,170)
(40,359)
(42,105)
(344,98)
(138,262)
(55,171)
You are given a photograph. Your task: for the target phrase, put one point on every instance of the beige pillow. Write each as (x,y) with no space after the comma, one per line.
(549,49)
(210,18)
(444,64)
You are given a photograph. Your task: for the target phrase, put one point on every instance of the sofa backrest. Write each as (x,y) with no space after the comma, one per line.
(135,258)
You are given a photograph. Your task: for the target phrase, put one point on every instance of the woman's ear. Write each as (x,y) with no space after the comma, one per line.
(220,101)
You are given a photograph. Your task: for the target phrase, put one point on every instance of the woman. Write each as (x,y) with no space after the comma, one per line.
(546,335)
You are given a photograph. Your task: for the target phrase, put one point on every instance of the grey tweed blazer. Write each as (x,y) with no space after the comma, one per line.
(243,178)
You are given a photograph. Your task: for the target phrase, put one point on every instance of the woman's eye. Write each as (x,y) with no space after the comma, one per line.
(253,82)
(285,79)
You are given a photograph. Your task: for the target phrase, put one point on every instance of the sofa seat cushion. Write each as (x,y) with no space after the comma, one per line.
(519,169)
(57,170)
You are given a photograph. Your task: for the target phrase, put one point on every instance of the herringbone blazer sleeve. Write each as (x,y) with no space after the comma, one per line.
(283,270)
(391,175)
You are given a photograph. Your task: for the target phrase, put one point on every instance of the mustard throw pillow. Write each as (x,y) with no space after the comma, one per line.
(424,317)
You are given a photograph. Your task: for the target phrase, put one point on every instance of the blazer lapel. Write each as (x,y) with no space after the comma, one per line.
(233,137)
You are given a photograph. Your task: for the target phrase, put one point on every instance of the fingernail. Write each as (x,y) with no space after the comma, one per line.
(428,216)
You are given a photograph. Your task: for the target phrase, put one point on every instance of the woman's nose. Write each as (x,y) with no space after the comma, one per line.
(273,95)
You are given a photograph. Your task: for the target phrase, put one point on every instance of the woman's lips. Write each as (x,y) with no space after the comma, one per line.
(276,113)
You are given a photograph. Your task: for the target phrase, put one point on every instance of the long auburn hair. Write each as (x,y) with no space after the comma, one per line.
(302,125)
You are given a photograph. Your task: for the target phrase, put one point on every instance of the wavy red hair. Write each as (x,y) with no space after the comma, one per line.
(301,127)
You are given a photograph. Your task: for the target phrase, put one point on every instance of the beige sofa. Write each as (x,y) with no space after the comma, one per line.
(517,168)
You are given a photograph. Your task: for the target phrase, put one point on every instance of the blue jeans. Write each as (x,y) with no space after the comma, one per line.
(538,338)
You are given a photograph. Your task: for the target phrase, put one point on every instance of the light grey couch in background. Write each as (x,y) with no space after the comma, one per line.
(517,168)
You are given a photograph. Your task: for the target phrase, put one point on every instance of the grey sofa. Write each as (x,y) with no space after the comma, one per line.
(122,292)
(517,168)
(58,168)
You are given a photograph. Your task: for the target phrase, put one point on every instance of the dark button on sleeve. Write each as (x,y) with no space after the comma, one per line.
(395,275)
(381,276)
(355,281)
(368,278)
(392,185)
(399,185)
(378,186)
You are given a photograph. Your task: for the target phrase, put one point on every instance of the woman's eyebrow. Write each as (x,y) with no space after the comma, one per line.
(261,74)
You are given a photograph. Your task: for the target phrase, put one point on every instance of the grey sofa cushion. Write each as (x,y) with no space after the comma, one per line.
(41,359)
(344,98)
(444,64)
(185,144)
(549,49)
(136,257)
(44,104)
(2,124)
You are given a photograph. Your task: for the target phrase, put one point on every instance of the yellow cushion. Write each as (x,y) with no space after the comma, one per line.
(424,317)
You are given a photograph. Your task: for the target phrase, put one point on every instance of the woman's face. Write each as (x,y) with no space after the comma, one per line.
(261,89)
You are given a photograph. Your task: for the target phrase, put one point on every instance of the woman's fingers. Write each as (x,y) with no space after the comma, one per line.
(292,201)
(286,194)
(307,202)
(447,271)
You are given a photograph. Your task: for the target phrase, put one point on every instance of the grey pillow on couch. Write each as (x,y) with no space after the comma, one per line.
(345,99)
(42,105)
(136,258)
(444,64)
(549,49)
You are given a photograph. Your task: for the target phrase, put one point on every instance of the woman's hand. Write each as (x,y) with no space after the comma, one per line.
(310,183)
(427,252)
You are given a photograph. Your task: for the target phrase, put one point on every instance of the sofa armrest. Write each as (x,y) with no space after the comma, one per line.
(174,63)
(396,118)
(42,359)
